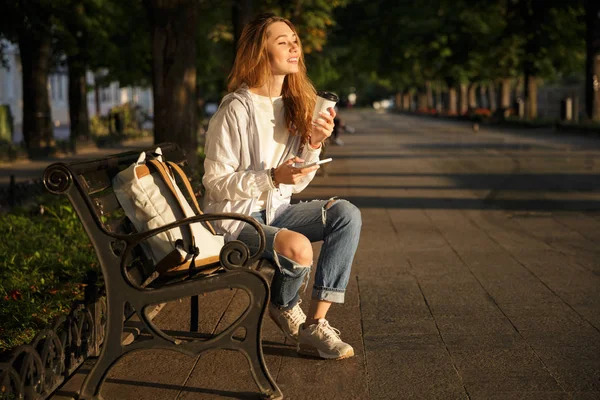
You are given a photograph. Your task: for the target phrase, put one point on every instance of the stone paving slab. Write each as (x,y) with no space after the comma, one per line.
(477,275)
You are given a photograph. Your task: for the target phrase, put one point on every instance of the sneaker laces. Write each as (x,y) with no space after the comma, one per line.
(329,332)
(295,315)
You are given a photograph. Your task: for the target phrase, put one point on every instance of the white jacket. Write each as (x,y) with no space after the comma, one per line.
(234,171)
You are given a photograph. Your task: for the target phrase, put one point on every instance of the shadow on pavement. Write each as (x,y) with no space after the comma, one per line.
(517,182)
(470,204)
(221,393)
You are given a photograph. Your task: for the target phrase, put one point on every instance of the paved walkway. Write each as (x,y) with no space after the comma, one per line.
(477,276)
(25,170)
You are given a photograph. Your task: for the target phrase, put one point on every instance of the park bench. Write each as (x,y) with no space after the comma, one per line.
(131,281)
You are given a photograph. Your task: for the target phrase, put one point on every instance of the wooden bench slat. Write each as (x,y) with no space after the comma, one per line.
(117,226)
(107,204)
(97,181)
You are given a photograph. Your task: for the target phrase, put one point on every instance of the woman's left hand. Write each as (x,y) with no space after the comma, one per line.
(322,127)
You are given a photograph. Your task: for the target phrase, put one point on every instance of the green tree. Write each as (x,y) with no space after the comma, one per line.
(76,42)
(173,25)
(348,60)
(552,44)
(122,48)
(452,43)
(215,52)
(221,24)
(83,35)
(29,23)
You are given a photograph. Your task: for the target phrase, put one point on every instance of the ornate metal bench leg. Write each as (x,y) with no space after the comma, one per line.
(259,370)
(252,345)
(109,355)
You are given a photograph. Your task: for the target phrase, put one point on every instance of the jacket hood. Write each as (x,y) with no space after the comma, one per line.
(242,94)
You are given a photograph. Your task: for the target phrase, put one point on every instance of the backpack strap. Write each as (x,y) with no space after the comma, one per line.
(164,174)
(190,192)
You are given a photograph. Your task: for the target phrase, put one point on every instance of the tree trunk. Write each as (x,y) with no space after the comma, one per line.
(78,106)
(241,13)
(592,64)
(37,119)
(493,97)
(464,104)
(483,97)
(429,95)
(174,24)
(438,98)
(575,107)
(452,101)
(97,97)
(520,97)
(530,97)
(422,101)
(398,101)
(505,96)
(406,102)
(472,96)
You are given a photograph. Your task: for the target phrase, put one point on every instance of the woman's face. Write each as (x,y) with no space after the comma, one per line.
(283,49)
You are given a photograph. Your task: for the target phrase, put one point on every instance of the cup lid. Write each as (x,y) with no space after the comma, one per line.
(328,95)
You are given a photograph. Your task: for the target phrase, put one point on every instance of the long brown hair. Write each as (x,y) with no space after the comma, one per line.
(252,67)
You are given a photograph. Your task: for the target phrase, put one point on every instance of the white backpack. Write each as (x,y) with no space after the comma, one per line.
(151,198)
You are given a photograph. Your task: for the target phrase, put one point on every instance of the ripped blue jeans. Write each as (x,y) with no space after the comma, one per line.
(337,225)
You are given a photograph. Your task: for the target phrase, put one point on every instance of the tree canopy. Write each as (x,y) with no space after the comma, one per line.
(401,44)
(374,47)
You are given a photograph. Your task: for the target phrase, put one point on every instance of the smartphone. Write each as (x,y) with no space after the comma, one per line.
(313,163)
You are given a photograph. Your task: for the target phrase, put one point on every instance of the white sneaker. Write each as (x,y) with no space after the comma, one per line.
(338,142)
(288,321)
(322,340)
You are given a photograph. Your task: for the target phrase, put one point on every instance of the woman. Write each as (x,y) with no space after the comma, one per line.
(262,128)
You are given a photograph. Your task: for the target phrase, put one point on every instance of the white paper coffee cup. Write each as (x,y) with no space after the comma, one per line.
(325,100)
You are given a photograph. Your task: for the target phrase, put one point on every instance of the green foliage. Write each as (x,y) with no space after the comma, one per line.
(129,114)
(125,52)
(215,50)
(43,259)
(10,151)
(99,126)
(6,123)
(107,35)
(349,59)
(33,18)
(313,18)
(408,43)
(105,130)
(551,35)
(375,47)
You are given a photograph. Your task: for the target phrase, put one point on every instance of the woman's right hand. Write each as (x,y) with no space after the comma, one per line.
(287,174)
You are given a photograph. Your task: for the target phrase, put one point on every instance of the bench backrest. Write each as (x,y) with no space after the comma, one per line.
(88,185)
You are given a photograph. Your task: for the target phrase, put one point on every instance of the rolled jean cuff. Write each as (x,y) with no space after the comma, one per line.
(328,294)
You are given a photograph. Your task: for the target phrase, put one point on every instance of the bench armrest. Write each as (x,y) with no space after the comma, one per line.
(243,257)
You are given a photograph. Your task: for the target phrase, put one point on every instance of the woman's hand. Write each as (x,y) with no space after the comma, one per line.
(322,127)
(287,174)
